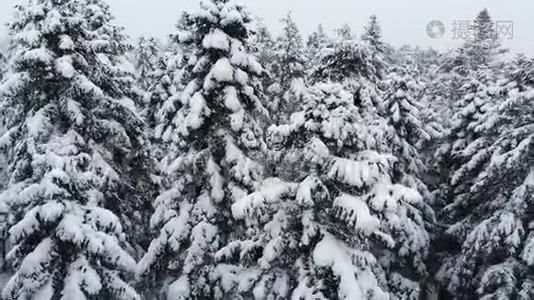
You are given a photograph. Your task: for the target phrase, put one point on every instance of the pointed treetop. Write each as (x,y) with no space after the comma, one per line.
(290,28)
(373,34)
(345,32)
(372,29)
(484,26)
(317,39)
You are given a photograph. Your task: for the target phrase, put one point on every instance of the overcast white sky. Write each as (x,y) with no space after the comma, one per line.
(403,21)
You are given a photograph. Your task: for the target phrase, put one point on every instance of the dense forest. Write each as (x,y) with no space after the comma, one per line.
(226,162)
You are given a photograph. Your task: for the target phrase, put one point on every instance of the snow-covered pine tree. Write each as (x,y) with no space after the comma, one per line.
(4,114)
(287,72)
(75,152)
(217,142)
(344,32)
(158,69)
(3,63)
(469,78)
(350,62)
(135,210)
(155,83)
(334,223)
(373,36)
(3,120)
(444,85)
(480,50)
(405,134)
(423,68)
(471,93)
(316,42)
(162,100)
(520,72)
(440,88)
(466,145)
(492,216)
(289,51)
(484,47)
(146,57)
(262,44)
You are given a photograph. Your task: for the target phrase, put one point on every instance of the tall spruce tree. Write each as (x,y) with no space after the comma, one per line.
(491,216)
(262,43)
(464,157)
(481,48)
(316,42)
(405,133)
(146,60)
(3,120)
(217,142)
(350,62)
(3,62)
(287,71)
(75,151)
(134,211)
(481,51)
(334,223)
(162,99)
(466,145)
(484,46)
(373,36)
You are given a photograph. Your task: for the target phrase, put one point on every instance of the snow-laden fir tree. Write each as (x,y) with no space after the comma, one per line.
(423,67)
(467,140)
(344,32)
(287,72)
(3,63)
(155,83)
(158,69)
(162,100)
(469,78)
(440,88)
(146,56)
(217,142)
(492,216)
(373,36)
(334,223)
(481,50)
(75,153)
(404,133)
(443,88)
(484,46)
(3,120)
(135,211)
(350,62)
(262,43)
(316,42)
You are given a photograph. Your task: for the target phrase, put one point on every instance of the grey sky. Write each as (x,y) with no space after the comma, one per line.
(403,21)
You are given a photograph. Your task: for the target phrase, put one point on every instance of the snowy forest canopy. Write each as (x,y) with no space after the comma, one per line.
(229,163)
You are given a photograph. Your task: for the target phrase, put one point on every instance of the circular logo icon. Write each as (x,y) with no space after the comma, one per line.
(435,29)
